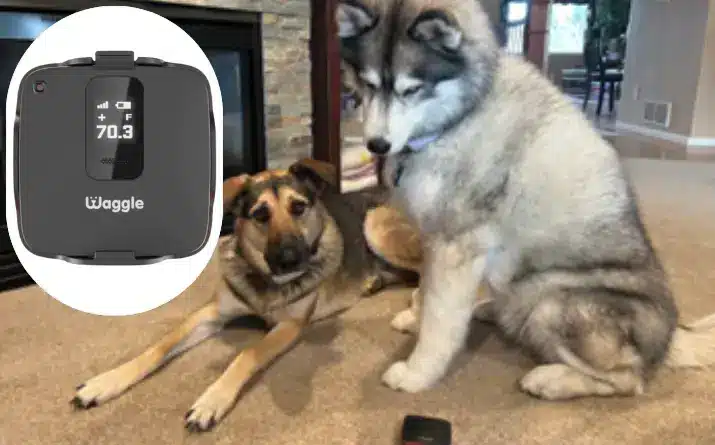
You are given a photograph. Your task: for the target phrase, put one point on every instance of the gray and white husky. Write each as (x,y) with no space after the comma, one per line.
(515,194)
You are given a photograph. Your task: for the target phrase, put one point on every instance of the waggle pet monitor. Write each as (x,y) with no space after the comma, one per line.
(114,160)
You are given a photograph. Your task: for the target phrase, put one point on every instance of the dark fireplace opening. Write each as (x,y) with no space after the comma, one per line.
(230,39)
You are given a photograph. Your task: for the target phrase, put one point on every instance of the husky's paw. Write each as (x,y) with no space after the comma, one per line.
(209,409)
(406,321)
(484,311)
(401,377)
(101,388)
(561,382)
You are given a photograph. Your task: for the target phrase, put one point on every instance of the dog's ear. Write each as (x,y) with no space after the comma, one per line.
(233,189)
(317,174)
(437,29)
(353,19)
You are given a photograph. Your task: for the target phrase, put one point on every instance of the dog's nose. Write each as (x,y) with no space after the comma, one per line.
(289,258)
(286,255)
(378,146)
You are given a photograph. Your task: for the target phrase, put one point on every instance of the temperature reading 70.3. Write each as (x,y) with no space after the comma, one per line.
(113,132)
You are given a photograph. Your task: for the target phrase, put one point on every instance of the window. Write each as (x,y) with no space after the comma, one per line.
(517,11)
(567,28)
(516,14)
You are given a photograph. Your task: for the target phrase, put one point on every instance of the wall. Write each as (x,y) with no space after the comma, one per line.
(286,58)
(663,55)
(704,115)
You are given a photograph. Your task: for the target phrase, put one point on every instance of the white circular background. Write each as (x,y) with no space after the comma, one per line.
(113,290)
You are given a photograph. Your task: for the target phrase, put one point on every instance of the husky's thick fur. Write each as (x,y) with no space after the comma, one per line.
(512,188)
(297,255)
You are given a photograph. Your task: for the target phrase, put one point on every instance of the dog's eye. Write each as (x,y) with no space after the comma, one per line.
(371,87)
(411,91)
(261,214)
(297,208)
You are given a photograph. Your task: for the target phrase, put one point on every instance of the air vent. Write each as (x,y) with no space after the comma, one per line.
(657,113)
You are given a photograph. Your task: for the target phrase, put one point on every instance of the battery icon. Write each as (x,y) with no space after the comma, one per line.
(123,105)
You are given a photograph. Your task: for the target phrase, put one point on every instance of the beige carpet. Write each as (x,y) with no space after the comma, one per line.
(327,391)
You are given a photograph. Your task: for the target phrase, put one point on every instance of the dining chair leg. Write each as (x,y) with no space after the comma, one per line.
(587,93)
(611,96)
(601,93)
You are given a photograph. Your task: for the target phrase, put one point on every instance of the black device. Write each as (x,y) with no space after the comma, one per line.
(114,160)
(419,430)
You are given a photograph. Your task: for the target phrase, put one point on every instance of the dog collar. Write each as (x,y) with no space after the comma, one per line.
(413,146)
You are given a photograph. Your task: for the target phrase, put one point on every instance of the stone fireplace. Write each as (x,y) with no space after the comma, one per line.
(285,34)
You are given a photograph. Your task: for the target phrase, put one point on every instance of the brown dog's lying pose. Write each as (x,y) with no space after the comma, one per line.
(297,255)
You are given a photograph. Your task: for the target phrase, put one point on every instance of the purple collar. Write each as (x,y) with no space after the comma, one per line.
(418,144)
(413,146)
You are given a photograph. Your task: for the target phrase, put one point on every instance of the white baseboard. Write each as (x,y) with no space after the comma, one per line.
(701,142)
(676,138)
(653,132)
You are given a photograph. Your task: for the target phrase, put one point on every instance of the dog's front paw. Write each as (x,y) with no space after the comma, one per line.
(401,377)
(209,409)
(406,321)
(101,388)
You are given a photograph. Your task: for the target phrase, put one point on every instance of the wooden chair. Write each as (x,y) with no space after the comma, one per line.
(611,75)
(591,56)
(607,72)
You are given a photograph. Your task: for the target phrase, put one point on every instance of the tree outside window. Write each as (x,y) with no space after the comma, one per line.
(567,28)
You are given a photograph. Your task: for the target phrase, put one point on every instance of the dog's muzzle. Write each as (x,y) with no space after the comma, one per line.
(287,255)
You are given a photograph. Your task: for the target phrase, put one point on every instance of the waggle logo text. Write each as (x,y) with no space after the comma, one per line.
(113,205)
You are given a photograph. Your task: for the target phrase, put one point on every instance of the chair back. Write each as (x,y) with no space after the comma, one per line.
(592,50)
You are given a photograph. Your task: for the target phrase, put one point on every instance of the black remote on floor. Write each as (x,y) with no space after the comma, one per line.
(418,430)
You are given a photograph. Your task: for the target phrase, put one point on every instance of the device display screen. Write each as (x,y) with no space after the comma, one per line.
(114,127)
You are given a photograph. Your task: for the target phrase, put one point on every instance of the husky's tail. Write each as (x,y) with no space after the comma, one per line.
(693,345)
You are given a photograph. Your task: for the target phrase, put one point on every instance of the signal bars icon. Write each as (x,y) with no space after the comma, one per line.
(103,106)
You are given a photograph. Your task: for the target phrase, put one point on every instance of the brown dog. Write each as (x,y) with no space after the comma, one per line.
(297,255)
